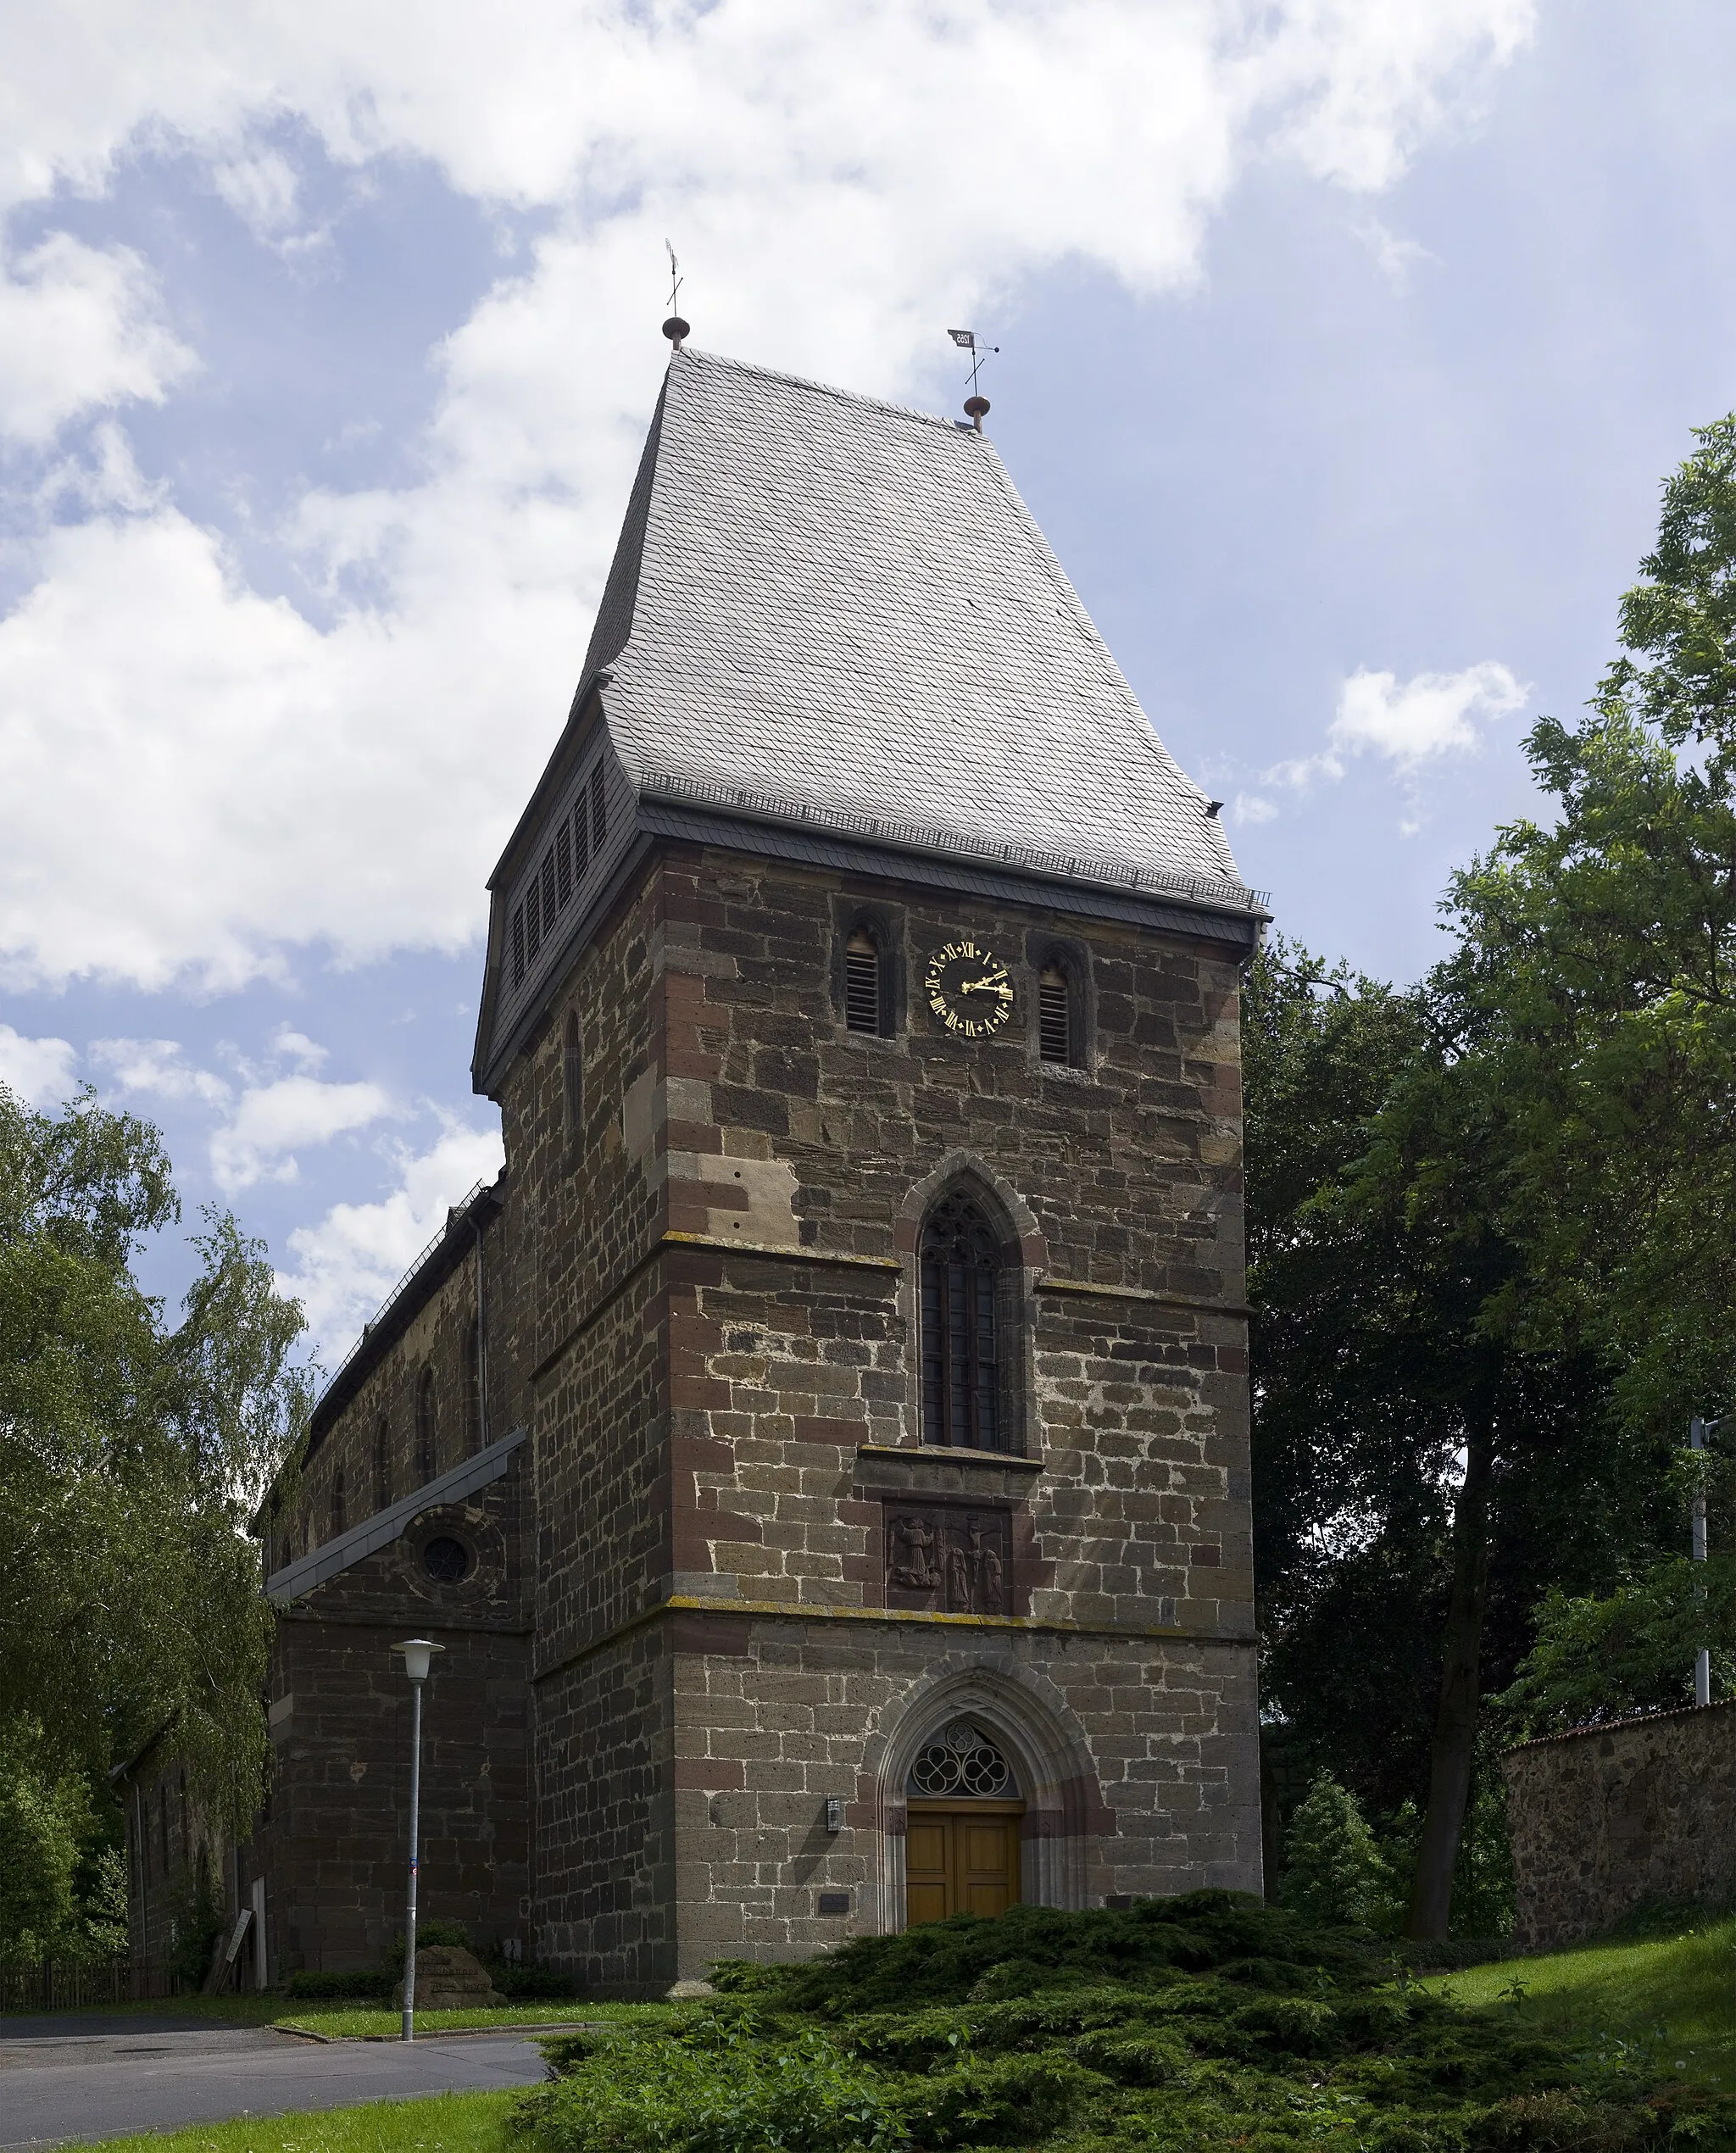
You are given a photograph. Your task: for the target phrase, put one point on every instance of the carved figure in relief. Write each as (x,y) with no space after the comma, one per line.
(985,1559)
(913,1552)
(959,1578)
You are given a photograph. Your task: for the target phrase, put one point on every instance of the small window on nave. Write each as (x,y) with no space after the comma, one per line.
(338,1507)
(424,1427)
(473,1387)
(572,1082)
(382,1464)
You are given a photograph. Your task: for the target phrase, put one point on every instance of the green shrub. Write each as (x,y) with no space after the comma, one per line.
(361,1982)
(523,1983)
(195,1927)
(997,2100)
(716,2088)
(1029,1949)
(429,1935)
(1333,1870)
(1180,2026)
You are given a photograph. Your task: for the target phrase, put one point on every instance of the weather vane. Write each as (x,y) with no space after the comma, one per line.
(975,404)
(675,328)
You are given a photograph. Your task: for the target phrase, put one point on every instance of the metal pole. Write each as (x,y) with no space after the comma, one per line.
(410,1921)
(1703,1658)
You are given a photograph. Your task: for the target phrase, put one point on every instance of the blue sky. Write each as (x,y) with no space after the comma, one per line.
(1345,343)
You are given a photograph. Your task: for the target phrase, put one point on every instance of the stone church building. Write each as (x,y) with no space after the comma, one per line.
(822,1454)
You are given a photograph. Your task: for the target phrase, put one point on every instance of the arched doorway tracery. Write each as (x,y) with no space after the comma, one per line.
(1044,1750)
(962,1827)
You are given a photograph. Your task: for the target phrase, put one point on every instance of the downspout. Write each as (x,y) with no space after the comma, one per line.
(482,1344)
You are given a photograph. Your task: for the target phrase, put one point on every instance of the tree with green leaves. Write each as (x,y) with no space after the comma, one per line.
(132,1453)
(1597,958)
(1421,1472)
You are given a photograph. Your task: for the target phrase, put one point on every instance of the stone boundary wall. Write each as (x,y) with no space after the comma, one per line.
(1605,1818)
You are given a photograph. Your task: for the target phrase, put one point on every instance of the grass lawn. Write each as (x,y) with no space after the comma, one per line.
(363,2022)
(375,2021)
(1673,1997)
(442,2123)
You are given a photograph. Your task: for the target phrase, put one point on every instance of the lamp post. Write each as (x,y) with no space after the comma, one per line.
(418,1657)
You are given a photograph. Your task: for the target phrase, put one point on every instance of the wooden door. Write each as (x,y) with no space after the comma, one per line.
(960,1858)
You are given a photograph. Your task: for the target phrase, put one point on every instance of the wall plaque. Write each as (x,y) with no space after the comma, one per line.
(943,1556)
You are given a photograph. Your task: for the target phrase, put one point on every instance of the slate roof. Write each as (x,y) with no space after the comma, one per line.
(830,611)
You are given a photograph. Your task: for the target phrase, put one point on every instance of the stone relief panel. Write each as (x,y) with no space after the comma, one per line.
(944,1556)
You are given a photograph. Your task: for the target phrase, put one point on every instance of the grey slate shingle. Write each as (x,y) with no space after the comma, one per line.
(831,611)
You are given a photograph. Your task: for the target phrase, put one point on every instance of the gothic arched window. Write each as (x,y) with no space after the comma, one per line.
(862,982)
(961,1257)
(337,1503)
(425,1425)
(572,1080)
(382,1464)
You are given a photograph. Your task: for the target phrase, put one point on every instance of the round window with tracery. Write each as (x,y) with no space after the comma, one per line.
(963,1760)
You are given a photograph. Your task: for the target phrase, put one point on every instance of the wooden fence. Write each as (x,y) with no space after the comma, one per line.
(77,1984)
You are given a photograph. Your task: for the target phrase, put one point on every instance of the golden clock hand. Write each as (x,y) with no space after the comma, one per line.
(983,986)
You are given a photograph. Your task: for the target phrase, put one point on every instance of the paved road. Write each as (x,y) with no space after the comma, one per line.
(103,2075)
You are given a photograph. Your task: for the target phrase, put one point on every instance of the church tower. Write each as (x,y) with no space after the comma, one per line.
(854,1349)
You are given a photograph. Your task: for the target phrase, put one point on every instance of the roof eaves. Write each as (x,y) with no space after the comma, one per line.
(1146,879)
(326,1561)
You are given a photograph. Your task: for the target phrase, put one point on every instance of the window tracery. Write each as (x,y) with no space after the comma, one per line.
(961,1761)
(960,1268)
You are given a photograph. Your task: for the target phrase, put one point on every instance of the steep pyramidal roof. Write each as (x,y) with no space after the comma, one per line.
(831,612)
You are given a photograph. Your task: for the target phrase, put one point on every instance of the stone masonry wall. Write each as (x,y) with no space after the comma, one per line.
(1608,1817)
(332,1843)
(1134,1758)
(725,1400)
(607,1882)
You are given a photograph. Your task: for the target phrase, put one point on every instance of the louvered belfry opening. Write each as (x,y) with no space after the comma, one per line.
(862,999)
(1055,1015)
(961,1265)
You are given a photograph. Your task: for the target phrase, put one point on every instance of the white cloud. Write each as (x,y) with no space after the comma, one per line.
(39,1070)
(258,1143)
(346,1263)
(1430,715)
(1394,256)
(262,189)
(299,1048)
(80,327)
(1406,723)
(158,1068)
(203,776)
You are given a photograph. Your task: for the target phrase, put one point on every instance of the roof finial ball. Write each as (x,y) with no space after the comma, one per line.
(675,328)
(976,411)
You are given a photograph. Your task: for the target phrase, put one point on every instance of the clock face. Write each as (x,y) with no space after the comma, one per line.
(968,990)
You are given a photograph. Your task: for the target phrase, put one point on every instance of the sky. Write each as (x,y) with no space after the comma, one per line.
(1344,345)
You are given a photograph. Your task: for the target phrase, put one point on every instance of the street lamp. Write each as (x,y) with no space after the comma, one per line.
(1697,1432)
(418,1657)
